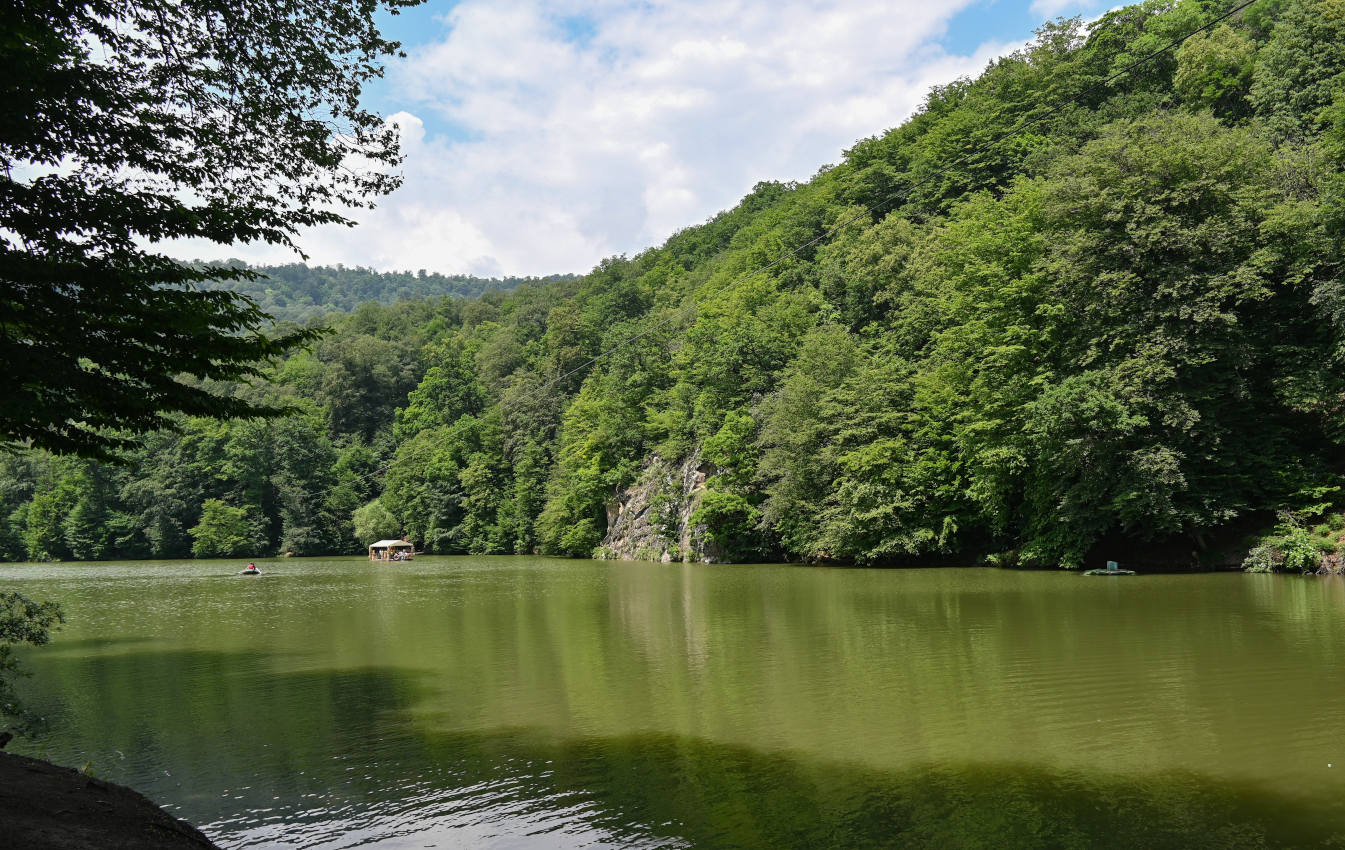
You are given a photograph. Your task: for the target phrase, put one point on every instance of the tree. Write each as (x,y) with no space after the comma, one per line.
(21,621)
(448,391)
(1126,322)
(129,124)
(447,485)
(223,532)
(1301,67)
(375,522)
(365,381)
(1215,70)
(54,500)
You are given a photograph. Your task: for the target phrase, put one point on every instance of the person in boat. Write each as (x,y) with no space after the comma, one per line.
(251,569)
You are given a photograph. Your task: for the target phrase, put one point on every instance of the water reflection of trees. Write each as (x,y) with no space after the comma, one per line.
(337,687)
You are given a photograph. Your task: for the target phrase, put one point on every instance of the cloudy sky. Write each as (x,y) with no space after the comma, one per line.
(541,137)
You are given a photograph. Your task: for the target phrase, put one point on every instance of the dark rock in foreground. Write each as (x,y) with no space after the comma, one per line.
(47,807)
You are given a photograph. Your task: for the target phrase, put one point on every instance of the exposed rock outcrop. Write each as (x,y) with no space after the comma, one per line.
(651,519)
(47,807)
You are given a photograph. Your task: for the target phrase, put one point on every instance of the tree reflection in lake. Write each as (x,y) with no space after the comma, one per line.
(544,703)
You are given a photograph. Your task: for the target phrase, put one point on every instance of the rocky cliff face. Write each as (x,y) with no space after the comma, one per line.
(651,520)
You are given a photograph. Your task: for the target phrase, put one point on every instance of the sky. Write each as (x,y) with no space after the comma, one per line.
(542,137)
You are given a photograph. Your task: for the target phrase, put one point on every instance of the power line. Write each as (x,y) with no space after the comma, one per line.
(867,212)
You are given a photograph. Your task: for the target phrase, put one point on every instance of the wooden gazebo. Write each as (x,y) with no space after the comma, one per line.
(391,550)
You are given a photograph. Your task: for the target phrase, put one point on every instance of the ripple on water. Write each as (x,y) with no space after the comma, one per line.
(533,703)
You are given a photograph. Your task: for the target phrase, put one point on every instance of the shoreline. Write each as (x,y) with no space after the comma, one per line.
(45,806)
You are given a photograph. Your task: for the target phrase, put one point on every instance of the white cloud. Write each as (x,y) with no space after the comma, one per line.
(585,141)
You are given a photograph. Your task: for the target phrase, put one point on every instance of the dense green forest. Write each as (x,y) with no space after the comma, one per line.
(1125,322)
(296,292)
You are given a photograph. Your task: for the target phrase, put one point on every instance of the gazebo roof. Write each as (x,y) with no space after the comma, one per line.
(388,544)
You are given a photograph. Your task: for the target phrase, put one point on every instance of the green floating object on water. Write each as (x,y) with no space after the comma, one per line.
(1113,569)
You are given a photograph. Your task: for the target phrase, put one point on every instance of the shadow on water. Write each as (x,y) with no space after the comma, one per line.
(190,728)
(260,756)
(559,706)
(669,791)
(62,644)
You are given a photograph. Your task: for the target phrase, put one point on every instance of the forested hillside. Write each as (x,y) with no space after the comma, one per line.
(296,292)
(1124,322)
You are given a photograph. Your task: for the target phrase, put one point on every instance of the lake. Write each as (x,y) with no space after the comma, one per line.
(510,702)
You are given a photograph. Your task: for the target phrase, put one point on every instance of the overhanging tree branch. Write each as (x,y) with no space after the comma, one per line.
(132,122)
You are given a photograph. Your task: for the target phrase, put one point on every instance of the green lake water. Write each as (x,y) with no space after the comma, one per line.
(537,703)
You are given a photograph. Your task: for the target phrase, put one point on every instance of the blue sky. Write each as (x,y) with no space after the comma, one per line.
(994,20)
(541,137)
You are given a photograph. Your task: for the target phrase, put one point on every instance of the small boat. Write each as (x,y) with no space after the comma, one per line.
(392,550)
(250,570)
(1113,569)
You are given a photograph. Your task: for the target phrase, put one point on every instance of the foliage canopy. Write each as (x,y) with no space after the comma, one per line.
(1125,325)
(22,621)
(130,124)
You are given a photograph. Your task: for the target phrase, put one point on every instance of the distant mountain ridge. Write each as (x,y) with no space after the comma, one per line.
(297,292)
